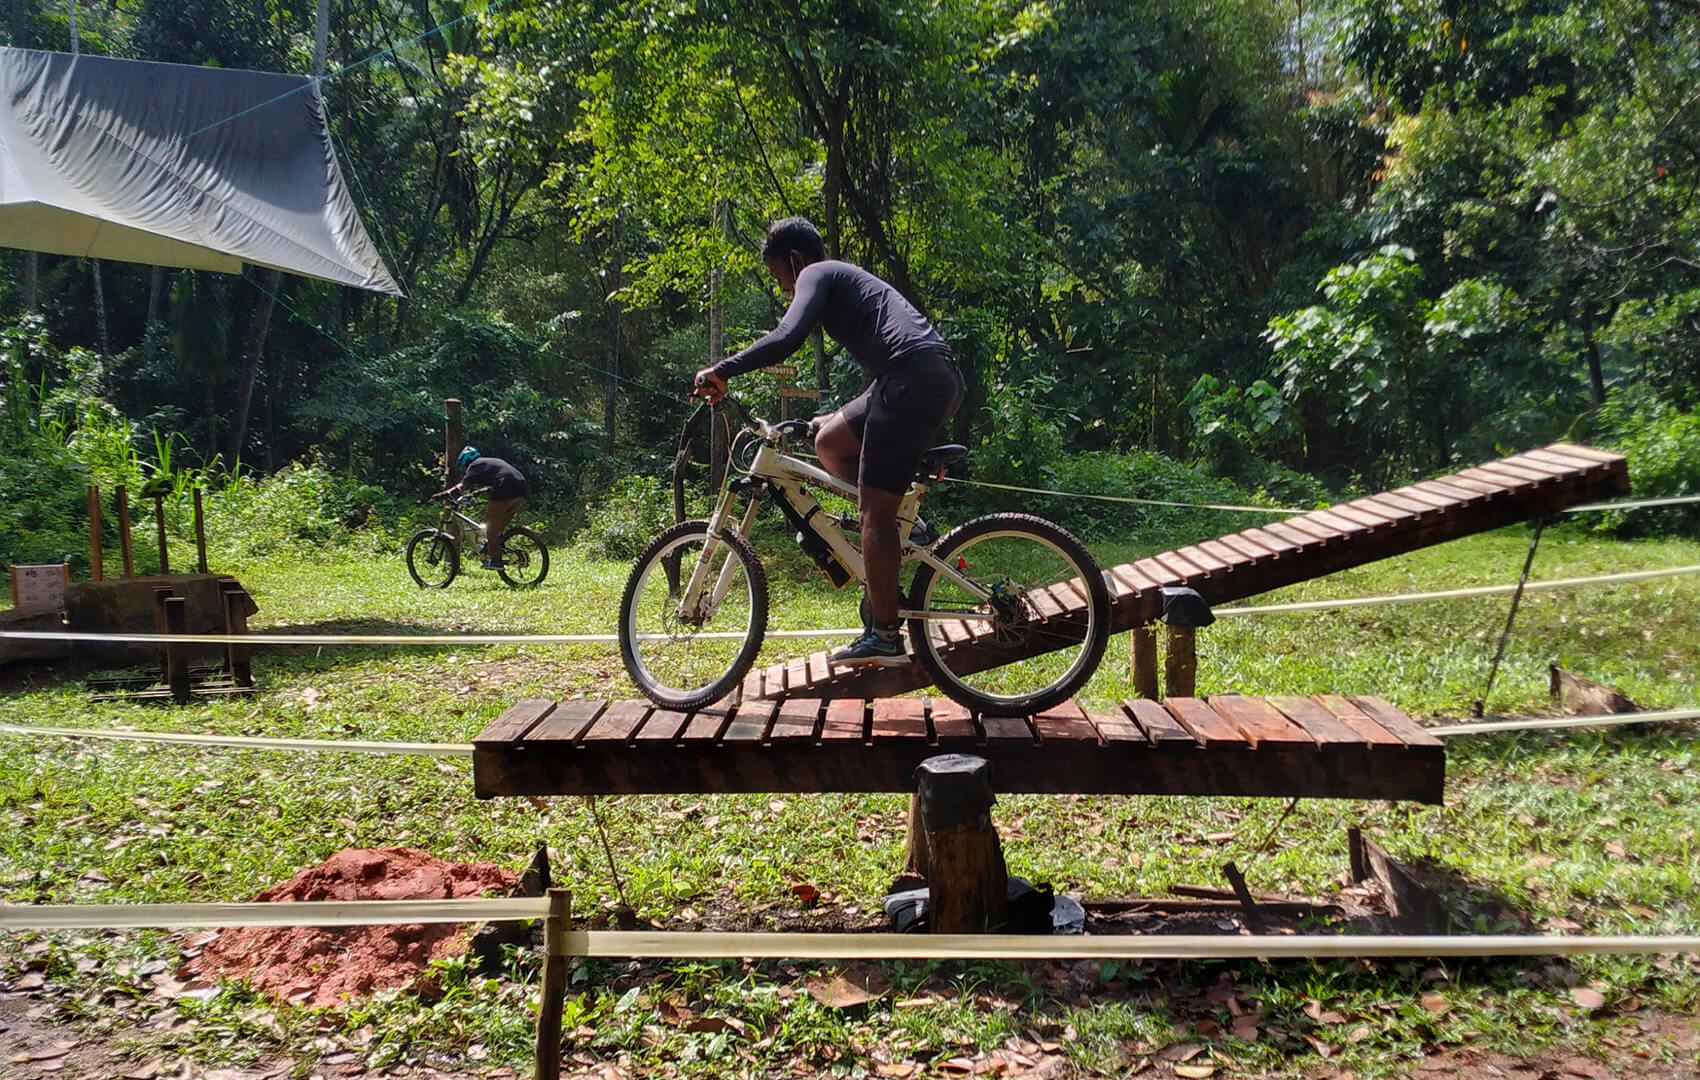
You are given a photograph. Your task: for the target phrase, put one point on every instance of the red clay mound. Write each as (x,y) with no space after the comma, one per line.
(320,966)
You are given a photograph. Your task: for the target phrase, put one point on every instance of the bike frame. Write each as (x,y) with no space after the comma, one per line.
(454,517)
(787,478)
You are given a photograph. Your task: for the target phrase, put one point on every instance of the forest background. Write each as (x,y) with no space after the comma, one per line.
(1276,249)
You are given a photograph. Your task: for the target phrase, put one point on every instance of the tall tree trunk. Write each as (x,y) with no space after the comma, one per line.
(101,325)
(1596,370)
(32,273)
(610,398)
(252,354)
(321,36)
(716,351)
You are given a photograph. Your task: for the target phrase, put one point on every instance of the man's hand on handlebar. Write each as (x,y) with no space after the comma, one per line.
(709,386)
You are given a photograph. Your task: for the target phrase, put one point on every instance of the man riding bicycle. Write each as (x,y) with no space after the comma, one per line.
(876,441)
(508,490)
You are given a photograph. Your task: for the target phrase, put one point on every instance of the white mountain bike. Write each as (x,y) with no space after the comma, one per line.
(1008,613)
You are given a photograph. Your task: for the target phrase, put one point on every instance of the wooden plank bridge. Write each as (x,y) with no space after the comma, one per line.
(1298,548)
(1318,747)
(801,727)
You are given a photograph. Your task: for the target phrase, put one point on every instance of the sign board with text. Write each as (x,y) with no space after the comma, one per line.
(40,588)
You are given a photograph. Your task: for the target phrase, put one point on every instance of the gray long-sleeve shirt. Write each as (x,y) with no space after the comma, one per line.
(864,314)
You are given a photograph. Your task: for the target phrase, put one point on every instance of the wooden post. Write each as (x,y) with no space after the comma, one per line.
(915,859)
(159,528)
(1144,642)
(96,569)
(1180,662)
(554,992)
(177,656)
(237,658)
(967,882)
(200,535)
(123,498)
(1355,852)
(451,439)
(160,626)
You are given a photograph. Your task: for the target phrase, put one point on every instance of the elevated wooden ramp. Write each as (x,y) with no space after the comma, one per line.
(1513,489)
(1318,747)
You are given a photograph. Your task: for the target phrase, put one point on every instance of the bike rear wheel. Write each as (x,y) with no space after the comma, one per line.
(687,660)
(1039,637)
(525,558)
(433,558)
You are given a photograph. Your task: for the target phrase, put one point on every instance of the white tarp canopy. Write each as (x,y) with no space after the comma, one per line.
(174,165)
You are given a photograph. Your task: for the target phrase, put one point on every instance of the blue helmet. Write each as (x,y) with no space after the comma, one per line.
(468,455)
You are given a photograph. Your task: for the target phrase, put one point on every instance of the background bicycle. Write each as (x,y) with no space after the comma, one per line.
(433,555)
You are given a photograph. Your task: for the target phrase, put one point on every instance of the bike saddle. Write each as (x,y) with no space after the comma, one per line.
(939,457)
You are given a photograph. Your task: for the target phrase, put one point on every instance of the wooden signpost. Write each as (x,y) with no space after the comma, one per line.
(785,372)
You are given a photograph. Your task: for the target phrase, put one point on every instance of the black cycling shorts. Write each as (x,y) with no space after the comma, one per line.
(897,416)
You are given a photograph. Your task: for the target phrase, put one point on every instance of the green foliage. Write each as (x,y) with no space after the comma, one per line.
(633,513)
(1662,444)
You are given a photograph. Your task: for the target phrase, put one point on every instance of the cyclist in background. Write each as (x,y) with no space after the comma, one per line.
(508,490)
(876,441)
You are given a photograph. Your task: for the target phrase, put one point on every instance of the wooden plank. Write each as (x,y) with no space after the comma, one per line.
(1486,486)
(1064,726)
(1261,723)
(1233,560)
(1538,468)
(1252,549)
(1115,729)
(1552,455)
(1506,484)
(1604,457)
(1363,510)
(1415,493)
(1006,729)
(1349,527)
(844,722)
(1413,510)
(617,722)
(1382,712)
(755,684)
(796,721)
(750,723)
(797,675)
(1180,568)
(819,669)
(567,722)
(705,725)
(1047,604)
(663,726)
(1158,573)
(951,723)
(1357,720)
(515,721)
(1206,726)
(899,719)
(1319,722)
(1460,495)
(1279,532)
(1158,723)
(1307,523)
(1212,564)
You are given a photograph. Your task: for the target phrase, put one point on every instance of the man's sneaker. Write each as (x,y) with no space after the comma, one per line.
(922,533)
(494,564)
(876,648)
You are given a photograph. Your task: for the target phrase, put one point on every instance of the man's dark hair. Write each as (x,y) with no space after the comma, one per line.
(793,234)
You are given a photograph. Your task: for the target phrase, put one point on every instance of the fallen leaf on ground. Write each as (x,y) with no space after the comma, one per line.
(1588,998)
(898,1069)
(840,991)
(1180,1051)
(1195,1072)
(1435,1002)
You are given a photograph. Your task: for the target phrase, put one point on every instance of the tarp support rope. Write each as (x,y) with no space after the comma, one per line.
(1480,704)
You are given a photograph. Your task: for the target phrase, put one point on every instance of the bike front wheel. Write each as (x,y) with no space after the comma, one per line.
(1027,630)
(433,558)
(685,659)
(525,559)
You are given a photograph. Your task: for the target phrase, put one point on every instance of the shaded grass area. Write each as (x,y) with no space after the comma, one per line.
(1589,831)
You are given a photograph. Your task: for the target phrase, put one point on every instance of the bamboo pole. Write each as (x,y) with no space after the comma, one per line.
(159,529)
(123,498)
(554,992)
(200,534)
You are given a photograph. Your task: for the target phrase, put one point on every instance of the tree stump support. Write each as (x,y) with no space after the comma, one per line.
(552,1001)
(953,838)
(1184,610)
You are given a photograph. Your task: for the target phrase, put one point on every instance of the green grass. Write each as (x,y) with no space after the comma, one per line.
(1591,829)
